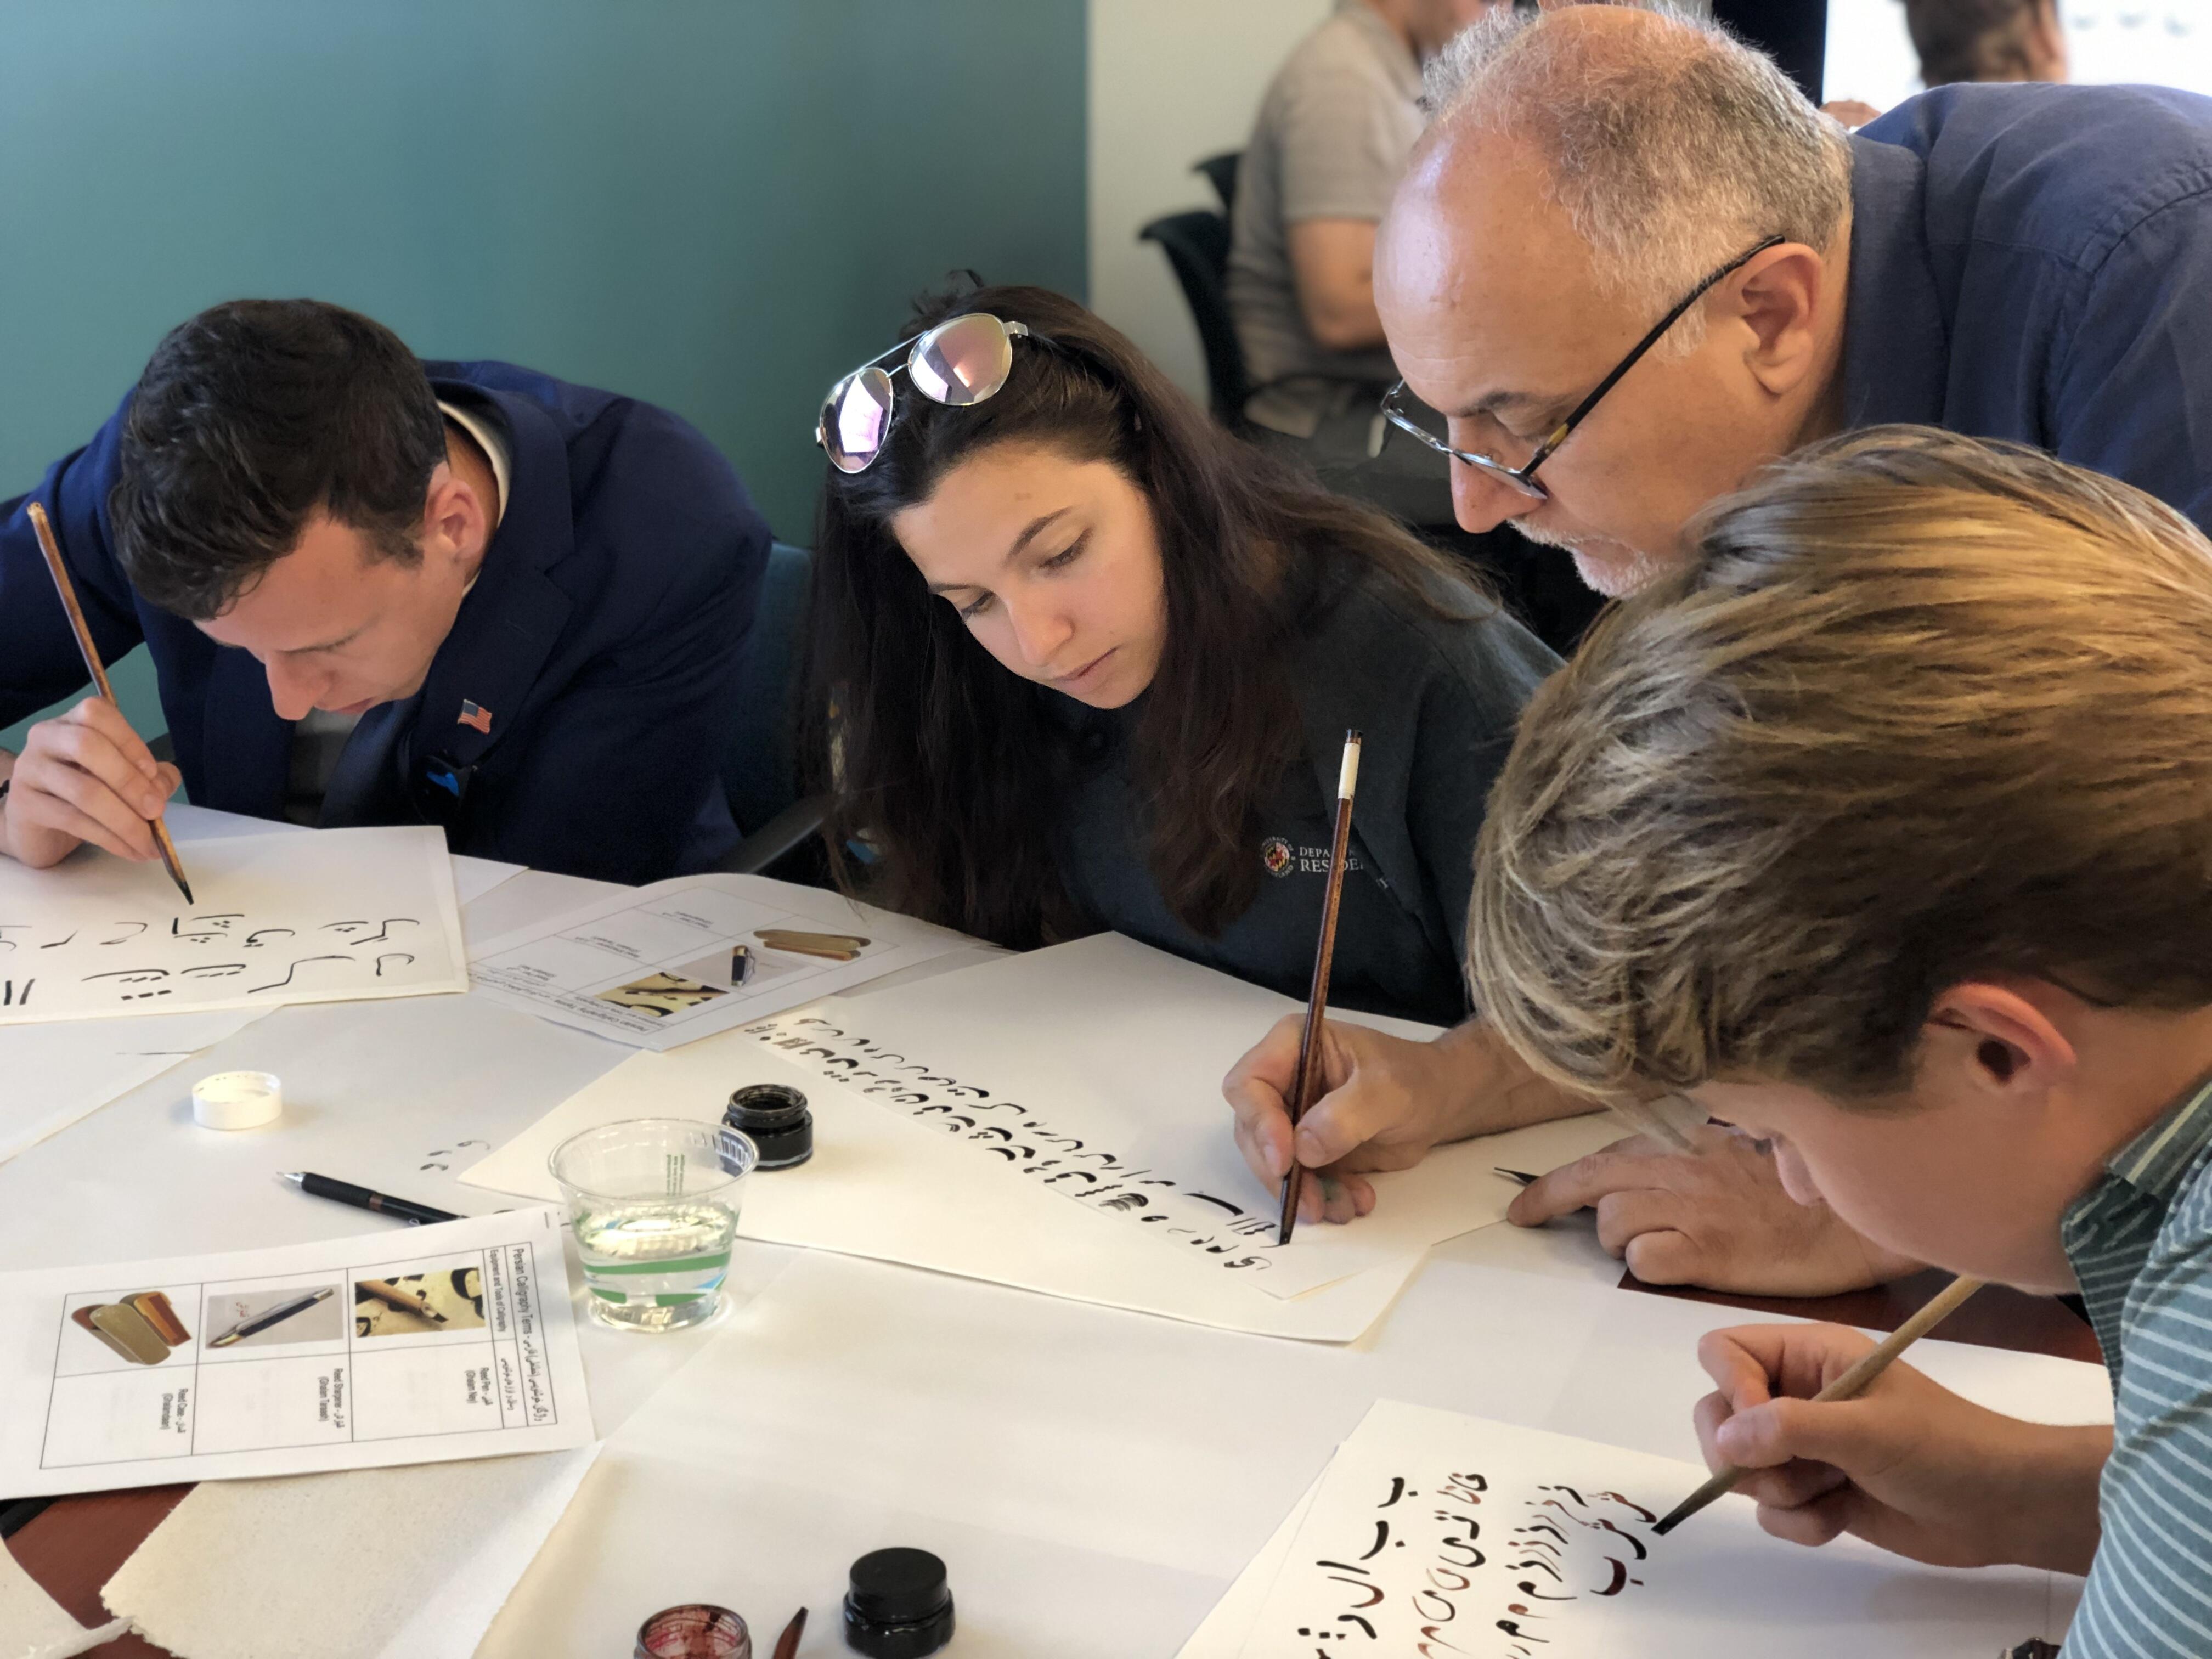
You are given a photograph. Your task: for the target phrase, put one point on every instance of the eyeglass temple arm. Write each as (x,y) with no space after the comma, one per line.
(1558,433)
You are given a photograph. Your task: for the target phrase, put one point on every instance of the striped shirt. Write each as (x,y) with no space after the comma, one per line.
(2141,1242)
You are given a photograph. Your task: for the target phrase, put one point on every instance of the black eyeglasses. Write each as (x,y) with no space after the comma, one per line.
(1524,478)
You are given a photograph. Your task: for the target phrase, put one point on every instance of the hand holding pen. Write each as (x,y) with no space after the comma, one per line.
(85,775)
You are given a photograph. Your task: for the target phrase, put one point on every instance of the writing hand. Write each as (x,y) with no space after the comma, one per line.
(1386,1102)
(84,776)
(1716,1216)
(1908,1465)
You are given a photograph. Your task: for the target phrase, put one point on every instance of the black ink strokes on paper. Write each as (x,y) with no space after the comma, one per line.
(1026,1140)
(289,973)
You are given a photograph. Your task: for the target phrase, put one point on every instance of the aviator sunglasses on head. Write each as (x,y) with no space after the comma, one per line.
(962,360)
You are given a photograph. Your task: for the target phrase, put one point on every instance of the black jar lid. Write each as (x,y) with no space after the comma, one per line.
(899,1605)
(776,1117)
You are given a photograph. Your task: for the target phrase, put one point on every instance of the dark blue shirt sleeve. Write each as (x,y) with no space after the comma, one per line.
(2132,383)
(40,663)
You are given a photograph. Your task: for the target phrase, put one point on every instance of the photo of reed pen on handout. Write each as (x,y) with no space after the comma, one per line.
(274,1318)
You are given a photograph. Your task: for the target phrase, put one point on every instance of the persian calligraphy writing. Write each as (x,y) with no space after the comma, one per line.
(1219,1230)
(1424,1540)
(284,919)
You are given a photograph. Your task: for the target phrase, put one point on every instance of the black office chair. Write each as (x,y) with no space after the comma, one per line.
(1197,246)
(760,766)
(1220,172)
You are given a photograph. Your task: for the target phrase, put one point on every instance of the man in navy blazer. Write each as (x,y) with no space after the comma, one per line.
(379,591)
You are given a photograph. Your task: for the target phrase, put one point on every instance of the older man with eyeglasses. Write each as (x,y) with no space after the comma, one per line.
(1631,264)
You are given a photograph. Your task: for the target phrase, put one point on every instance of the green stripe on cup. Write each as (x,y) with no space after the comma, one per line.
(674,1264)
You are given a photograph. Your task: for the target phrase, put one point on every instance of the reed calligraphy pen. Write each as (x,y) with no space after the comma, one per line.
(1852,1383)
(1305,1083)
(68,590)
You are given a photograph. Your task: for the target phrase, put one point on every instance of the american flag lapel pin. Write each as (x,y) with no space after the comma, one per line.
(475,716)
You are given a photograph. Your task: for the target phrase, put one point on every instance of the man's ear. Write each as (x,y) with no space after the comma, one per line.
(1778,299)
(2000,1037)
(454,513)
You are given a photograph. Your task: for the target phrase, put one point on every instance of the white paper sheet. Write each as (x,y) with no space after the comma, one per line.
(884,1184)
(339,1380)
(473,878)
(333,916)
(1519,1543)
(370,1564)
(52,1076)
(682,959)
(1093,1070)
(1094,1480)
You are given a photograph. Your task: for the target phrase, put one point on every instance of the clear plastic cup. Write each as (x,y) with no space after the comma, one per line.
(654,1202)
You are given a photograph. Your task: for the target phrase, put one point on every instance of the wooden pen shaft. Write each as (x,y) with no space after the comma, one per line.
(1851,1383)
(1305,1083)
(52,550)
(67,589)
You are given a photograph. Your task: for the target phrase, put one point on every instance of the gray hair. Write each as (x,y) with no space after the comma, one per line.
(1670,153)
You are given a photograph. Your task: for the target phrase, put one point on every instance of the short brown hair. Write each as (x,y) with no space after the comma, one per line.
(250,418)
(1922,709)
(1971,39)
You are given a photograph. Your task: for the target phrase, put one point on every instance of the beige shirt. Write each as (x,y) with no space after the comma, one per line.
(1332,140)
(320,737)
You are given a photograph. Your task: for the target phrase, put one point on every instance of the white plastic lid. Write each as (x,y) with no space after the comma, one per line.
(237,1100)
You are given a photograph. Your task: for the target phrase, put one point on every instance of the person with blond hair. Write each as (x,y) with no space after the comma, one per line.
(1631,264)
(1884,832)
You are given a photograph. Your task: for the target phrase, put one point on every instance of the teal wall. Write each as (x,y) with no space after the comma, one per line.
(718,205)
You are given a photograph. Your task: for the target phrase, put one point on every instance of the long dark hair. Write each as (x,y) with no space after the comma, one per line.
(949,768)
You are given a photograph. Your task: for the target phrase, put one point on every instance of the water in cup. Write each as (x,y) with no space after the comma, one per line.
(655,1204)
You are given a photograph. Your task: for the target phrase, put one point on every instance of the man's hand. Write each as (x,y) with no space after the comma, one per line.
(1908,1465)
(84,776)
(1387,1101)
(1716,1216)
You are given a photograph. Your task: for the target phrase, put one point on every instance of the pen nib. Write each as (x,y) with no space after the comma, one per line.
(297,1177)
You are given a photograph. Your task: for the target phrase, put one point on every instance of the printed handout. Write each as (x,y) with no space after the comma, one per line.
(682,959)
(329,916)
(443,1342)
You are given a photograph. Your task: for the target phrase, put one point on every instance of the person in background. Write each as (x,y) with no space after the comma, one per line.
(1884,832)
(377,591)
(1327,147)
(1620,333)
(1093,658)
(1986,40)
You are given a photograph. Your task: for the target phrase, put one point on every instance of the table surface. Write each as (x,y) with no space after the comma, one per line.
(399,1095)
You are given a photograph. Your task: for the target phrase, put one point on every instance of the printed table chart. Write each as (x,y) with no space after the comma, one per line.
(304,1360)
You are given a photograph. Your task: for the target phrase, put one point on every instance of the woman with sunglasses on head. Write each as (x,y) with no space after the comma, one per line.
(1092,659)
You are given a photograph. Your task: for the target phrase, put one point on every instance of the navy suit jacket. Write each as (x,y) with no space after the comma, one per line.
(604,634)
(2035,263)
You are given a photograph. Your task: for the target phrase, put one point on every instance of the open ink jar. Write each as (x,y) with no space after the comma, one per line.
(775,1118)
(697,1632)
(899,1605)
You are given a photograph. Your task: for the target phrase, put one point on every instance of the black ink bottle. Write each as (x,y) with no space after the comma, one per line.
(776,1120)
(899,1605)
